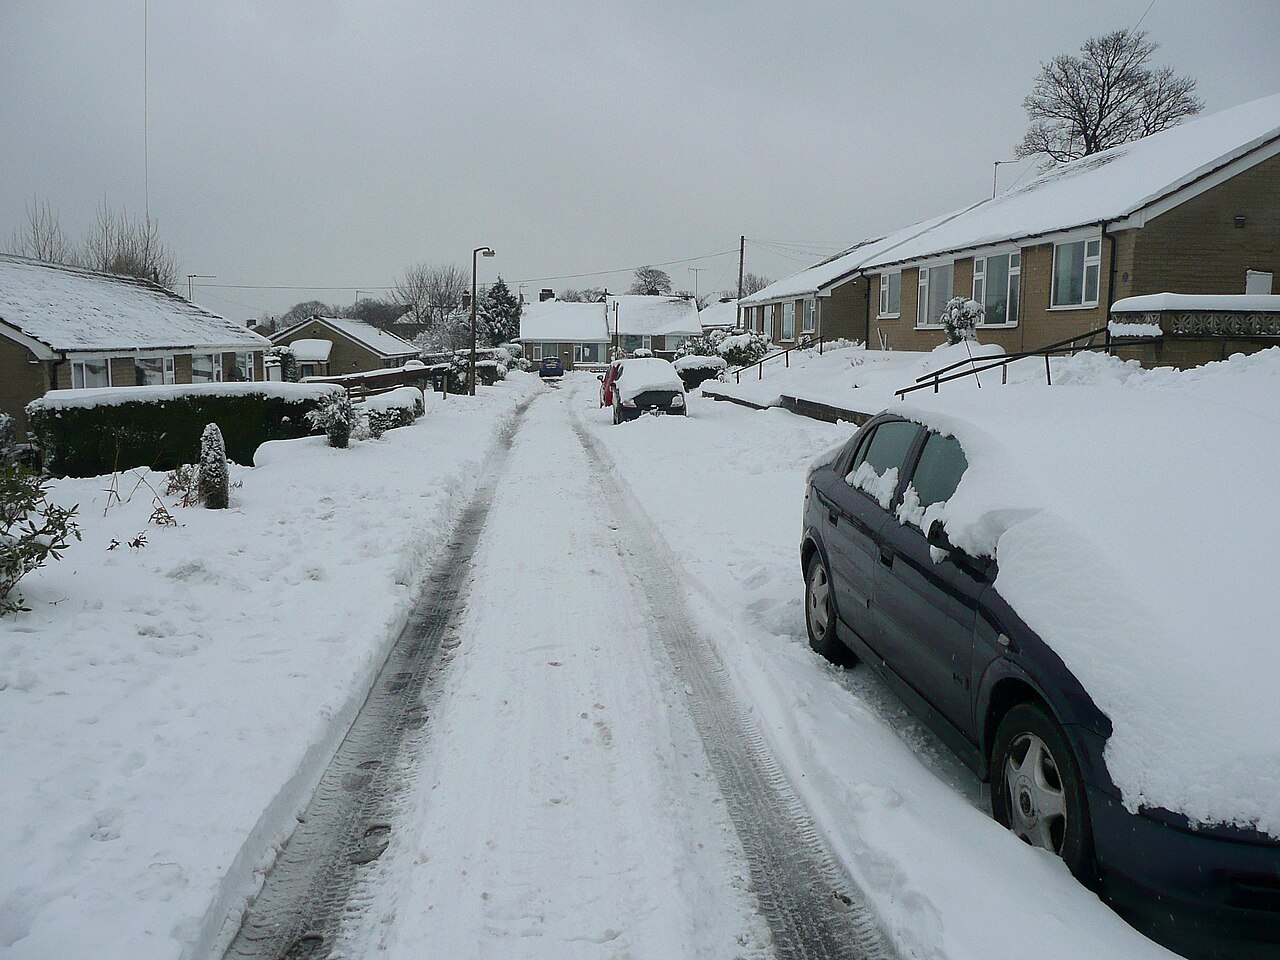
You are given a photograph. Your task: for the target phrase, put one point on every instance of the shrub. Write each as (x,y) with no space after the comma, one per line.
(214,481)
(31,530)
(695,370)
(8,439)
(337,418)
(743,349)
(961,317)
(160,427)
(288,362)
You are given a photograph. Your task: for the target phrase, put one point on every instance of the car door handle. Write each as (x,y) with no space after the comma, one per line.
(833,517)
(886,555)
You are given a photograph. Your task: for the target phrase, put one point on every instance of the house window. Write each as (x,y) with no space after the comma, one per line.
(537,351)
(90,373)
(997,285)
(810,323)
(242,371)
(1076,268)
(206,368)
(789,320)
(152,370)
(891,294)
(935,291)
(632,342)
(588,353)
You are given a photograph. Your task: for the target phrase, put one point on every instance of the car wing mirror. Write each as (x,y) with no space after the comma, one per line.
(600,377)
(937,536)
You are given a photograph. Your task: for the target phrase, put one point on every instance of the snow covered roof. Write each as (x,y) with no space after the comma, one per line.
(561,321)
(722,314)
(822,275)
(654,316)
(1188,302)
(1107,186)
(51,307)
(308,350)
(372,338)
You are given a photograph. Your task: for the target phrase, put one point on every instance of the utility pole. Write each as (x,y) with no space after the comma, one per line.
(995,168)
(742,256)
(695,271)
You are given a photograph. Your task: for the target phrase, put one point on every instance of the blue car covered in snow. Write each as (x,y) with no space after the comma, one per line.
(550,368)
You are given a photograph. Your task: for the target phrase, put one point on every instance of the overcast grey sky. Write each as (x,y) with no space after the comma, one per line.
(315,142)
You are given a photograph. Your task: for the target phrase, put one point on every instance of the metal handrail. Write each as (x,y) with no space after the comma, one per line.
(1069,346)
(785,353)
(1026,353)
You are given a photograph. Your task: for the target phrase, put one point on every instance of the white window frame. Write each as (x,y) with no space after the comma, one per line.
(77,372)
(537,351)
(166,366)
(809,324)
(922,293)
(885,300)
(250,364)
(1090,260)
(784,336)
(217,367)
(980,284)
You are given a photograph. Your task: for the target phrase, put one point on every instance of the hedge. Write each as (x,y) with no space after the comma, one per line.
(84,433)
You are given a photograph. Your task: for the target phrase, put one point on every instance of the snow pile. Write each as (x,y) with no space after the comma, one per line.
(1199,302)
(638,375)
(159,393)
(1105,507)
(165,709)
(879,485)
(311,350)
(1118,328)
(401,398)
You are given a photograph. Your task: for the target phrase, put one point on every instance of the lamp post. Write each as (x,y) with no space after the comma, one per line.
(197,276)
(478,251)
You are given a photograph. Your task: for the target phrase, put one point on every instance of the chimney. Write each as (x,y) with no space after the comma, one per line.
(546,293)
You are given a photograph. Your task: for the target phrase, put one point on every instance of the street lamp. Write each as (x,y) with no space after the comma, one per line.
(487,252)
(197,276)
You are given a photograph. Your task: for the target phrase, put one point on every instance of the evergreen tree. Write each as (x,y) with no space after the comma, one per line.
(499,313)
(214,481)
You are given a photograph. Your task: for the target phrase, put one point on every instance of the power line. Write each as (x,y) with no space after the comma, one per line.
(1144,15)
(622,269)
(278,286)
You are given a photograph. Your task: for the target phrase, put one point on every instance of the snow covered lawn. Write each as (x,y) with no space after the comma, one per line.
(165,710)
(724,488)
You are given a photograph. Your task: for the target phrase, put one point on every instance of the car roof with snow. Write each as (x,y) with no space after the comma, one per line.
(1135,531)
(638,374)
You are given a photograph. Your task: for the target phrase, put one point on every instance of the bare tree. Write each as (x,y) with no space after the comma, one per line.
(585,295)
(42,238)
(1104,97)
(651,282)
(753,283)
(431,292)
(131,248)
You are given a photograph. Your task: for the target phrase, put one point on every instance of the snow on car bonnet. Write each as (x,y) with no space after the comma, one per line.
(641,374)
(1136,531)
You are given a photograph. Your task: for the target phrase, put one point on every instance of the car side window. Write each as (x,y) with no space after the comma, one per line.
(942,463)
(879,461)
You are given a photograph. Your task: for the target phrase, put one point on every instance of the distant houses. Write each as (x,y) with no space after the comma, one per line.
(1194,209)
(65,327)
(335,346)
(584,333)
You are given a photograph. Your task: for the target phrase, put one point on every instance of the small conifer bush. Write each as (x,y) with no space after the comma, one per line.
(214,481)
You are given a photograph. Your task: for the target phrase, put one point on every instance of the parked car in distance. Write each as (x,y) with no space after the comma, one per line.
(886,588)
(550,368)
(645,385)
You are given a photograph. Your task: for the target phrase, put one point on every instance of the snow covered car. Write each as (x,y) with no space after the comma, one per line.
(606,383)
(550,368)
(646,385)
(1064,590)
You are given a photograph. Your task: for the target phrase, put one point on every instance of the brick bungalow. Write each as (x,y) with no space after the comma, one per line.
(63,327)
(574,332)
(336,346)
(659,324)
(1194,209)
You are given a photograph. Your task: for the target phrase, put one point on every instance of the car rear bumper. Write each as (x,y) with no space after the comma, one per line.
(1204,896)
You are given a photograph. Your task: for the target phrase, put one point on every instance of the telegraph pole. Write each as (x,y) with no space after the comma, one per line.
(742,256)
(695,271)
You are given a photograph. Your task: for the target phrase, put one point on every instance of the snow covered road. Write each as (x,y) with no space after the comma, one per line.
(587,785)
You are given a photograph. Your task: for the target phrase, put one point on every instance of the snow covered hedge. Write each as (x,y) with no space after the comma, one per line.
(84,433)
(737,349)
(695,370)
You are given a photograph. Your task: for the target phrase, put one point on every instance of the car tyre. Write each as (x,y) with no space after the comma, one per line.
(820,616)
(1037,791)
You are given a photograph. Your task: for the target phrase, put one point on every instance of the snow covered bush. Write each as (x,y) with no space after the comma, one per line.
(214,479)
(743,349)
(695,370)
(396,408)
(8,438)
(31,530)
(337,418)
(961,317)
(706,345)
(642,352)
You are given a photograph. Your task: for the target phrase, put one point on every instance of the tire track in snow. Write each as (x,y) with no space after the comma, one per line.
(813,908)
(348,821)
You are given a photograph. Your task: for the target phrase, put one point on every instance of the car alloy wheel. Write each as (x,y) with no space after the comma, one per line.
(1036,789)
(819,614)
